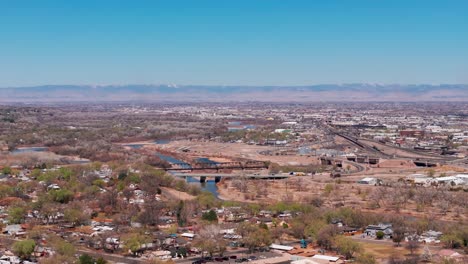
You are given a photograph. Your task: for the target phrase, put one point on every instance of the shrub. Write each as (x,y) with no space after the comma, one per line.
(380,235)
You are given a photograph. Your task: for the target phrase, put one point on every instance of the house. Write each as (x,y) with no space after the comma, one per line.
(350,231)
(423,181)
(371,230)
(462,177)
(9,259)
(188,235)
(449,180)
(325,259)
(369,181)
(281,247)
(53,186)
(112,243)
(14,230)
(40,251)
(305,261)
(430,237)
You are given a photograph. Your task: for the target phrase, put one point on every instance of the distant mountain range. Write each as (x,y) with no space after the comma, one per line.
(204,93)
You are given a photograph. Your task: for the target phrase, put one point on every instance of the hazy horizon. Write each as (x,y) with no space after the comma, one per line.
(206,93)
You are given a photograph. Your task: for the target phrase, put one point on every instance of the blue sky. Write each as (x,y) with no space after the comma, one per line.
(233,42)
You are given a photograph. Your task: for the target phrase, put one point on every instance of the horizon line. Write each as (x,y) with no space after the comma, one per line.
(174,85)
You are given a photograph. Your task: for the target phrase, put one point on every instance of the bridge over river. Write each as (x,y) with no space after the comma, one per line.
(219,176)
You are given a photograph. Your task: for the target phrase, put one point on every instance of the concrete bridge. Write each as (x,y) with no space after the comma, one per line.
(219,176)
(364,159)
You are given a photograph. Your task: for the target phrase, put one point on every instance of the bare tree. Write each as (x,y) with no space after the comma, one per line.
(412,244)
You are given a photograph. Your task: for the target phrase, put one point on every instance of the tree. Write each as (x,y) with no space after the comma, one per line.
(347,246)
(184,212)
(326,235)
(48,209)
(6,190)
(16,215)
(75,215)
(100,260)
(210,239)
(426,256)
(61,196)
(24,248)
(86,259)
(398,236)
(210,216)
(379,235)
(152,212)
(254,236)
(6,170)
(152,182)
(412,244)
(206,200)
(259,238)
(451,240)
(133,242)
(61,247)
(108,200)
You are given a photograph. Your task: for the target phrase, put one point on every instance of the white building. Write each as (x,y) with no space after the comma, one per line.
(368,181)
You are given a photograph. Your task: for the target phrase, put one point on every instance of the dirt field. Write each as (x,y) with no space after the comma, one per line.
(383,251)
(171,194)
(333,192)
(227,151)
(31,158)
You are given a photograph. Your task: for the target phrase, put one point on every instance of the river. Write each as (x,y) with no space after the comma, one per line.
(209,185)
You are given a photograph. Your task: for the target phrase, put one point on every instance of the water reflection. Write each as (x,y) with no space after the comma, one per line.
(208,185)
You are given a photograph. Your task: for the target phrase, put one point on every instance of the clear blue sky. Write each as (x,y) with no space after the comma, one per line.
(233,42)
